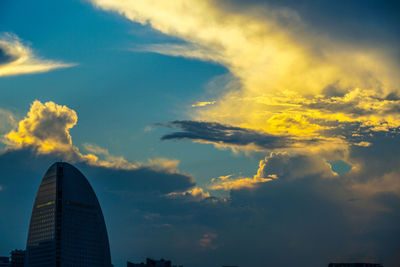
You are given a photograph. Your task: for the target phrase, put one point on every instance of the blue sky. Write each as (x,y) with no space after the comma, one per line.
(110,81)
(228,128)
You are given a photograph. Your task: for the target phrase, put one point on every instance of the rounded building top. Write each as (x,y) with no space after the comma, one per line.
(67,223)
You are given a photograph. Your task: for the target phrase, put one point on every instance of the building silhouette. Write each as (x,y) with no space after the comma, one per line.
(17,258)
(67,225)
(354,265)
(152,263)
(4,262)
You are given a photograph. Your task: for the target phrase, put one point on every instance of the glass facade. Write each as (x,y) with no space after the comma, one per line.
(67,226)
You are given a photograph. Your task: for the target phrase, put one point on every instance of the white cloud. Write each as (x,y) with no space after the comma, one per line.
(17,58)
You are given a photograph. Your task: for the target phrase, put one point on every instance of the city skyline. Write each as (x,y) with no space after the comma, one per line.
(214,132)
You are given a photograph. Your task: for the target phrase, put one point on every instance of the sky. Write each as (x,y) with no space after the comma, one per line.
(214,132)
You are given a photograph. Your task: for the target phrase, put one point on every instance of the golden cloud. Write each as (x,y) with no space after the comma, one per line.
(290,81)
(281,165)
(16,58)
(195,193)
(46,129)
(202,103)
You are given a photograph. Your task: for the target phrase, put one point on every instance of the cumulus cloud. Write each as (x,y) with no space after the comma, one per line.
(17,58)
(286,166)
(279,165)
(296,213)
(45,129)
(291,81)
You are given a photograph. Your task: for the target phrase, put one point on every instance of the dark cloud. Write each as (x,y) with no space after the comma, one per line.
(228,135)
(5,57)
(144,179)
(388,106)
(306,219)
(379,158)
(358,21)
(287,166)
(299,214)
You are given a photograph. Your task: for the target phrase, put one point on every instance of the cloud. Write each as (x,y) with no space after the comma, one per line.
(277,166)
(221,134)
(286,166)
(388,183)
(223,177)
(17,59)
(298,214)
(202,103)
(195,193)
(235,184)
(290,79)
(108,157)
(7,121)
(291,84)
(45,129)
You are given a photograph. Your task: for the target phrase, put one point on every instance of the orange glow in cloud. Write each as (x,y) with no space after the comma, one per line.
(290,80)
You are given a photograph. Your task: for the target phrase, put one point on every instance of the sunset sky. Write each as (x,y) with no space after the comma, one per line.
(214,132)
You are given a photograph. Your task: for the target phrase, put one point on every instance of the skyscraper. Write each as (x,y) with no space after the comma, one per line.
(67,225)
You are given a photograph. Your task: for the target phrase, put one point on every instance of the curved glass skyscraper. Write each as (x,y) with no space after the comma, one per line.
(67,226)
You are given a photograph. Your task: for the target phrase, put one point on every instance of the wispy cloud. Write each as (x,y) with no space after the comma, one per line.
(7,121)
(17,58)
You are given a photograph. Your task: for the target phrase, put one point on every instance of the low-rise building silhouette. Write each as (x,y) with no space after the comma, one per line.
(17,258)
(355,265)
(152,263)
(4,262)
